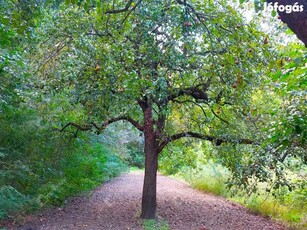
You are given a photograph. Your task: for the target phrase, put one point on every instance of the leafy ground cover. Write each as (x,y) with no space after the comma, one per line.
(289,207)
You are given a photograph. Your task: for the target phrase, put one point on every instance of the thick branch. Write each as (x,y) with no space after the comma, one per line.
(104,125)
(123,118)
(215,140)
(198,92)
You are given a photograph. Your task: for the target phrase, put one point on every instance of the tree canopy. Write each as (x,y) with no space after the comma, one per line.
(199,64)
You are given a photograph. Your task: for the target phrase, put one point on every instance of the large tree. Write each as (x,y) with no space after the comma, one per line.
(170,68)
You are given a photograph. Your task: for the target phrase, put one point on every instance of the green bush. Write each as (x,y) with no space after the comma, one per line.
(41,166)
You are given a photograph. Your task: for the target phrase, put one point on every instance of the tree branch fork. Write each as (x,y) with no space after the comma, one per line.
(166,140)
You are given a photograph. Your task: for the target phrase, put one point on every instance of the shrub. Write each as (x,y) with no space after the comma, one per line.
(41,166)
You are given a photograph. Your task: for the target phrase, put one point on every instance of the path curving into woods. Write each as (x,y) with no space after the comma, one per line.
(117,204)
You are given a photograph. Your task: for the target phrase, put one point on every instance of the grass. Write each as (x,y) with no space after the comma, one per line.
(136,169)
(152,224)
(210,179)
(291,211)
(211,185)
(290,215)
(155,225)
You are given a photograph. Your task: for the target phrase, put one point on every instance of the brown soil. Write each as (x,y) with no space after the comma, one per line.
(116,205)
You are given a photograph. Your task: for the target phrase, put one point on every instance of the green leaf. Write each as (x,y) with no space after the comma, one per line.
(87,4)
(298,61)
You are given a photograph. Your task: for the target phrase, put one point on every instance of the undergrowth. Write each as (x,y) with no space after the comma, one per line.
(40,166)
(287,207)
(31,187)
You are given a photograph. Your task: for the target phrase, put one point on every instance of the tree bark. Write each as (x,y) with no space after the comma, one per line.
(149,197)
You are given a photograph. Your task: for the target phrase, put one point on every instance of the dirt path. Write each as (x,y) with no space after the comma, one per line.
(116,205)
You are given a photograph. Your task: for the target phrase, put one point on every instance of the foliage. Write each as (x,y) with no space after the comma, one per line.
(288,135)
(87,57)
(277,119)
(10,65)
(137,157)
(288,207)
(38,168)
(124,138)
(40,165)
(176,158)
(11,201)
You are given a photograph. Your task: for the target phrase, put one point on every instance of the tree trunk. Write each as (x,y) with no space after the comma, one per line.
(149,197)
(296,21)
